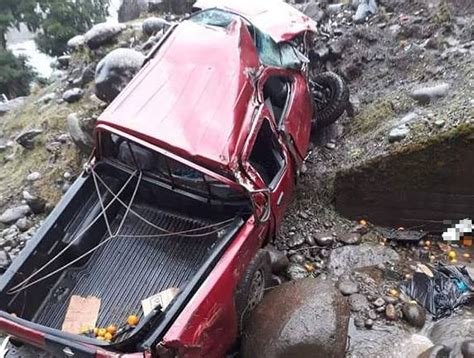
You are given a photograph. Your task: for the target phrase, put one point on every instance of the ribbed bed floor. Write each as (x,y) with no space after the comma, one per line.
(125,271)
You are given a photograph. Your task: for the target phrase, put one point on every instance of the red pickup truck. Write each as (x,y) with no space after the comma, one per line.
(195,162)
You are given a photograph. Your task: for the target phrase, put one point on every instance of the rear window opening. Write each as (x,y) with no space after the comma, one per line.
(266,156)
(165,169)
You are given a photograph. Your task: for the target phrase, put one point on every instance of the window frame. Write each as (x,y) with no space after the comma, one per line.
(280,149)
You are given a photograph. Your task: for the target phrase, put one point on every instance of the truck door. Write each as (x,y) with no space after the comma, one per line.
(286,95)
(269,162)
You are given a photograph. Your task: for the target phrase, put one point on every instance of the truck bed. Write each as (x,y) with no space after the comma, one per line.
(127,270)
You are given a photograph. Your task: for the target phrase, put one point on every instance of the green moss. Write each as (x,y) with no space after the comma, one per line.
(51,118)
(372,115)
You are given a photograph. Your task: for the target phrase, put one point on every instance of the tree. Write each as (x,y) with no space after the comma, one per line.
(14,12)
(15,75)
(63,19)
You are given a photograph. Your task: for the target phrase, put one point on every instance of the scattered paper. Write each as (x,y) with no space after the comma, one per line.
(162,299)
(81,312)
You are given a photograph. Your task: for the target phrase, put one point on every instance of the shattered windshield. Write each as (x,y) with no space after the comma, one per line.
(270,53)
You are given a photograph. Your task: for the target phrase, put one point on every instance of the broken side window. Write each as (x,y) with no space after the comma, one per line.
(266,156)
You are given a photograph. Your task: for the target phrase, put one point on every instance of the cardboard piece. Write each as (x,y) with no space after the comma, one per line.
(81,312)
(162,299)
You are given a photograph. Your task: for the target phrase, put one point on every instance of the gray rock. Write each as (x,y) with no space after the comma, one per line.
(278,260)
(369,323)
(26,139)
(408,118)
(312,10)
(453,331)
(114,72)
(76,42)
(348,287)
(399,133)
(347,258)
(11,105)
(295,271)
(426,95)
(11,215)
(24,224)
(131,9)
(379,302)
(152,25)
(34,176)
(358,302)
(5,261)
(324,239)
(297,258)
(351,238)
(102,34)
(437,351)
(467,349)
(439,123)
(335,8)
(73,95)
(36,204)
(331,145)
(298,319)
(364,10)
(79,136)
(414,314)
(296,240)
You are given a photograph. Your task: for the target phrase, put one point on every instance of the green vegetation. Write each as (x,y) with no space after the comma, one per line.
(15,75)
(57,20)
(64,19)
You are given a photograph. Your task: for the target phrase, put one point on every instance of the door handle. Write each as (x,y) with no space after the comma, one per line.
(280,198)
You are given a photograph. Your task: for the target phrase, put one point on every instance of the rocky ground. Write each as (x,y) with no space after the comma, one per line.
(410,72)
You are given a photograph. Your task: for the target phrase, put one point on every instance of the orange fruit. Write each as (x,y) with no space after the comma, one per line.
(363,222)
(108,336)
(452,255)
(101,332)
(112,329)
(132,320)
(96,331)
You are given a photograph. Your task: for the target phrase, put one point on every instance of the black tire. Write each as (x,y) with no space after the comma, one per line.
(249,293)
(336,98)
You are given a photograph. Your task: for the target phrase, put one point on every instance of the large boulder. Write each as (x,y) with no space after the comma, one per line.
(131,10)
(11,215)
(102,34)
(114,72)
(76,42)
(81,137)
(347,258)
(152,25)
(305,318)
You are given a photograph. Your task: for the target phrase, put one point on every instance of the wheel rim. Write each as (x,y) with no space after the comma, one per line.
(257,289)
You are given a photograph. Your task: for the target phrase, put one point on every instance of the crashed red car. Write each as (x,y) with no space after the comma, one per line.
(194,165)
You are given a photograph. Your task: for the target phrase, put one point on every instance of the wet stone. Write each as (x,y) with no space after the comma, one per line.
(372,314)
(379,302)
(24,224)
(359,322)
(13,214)
(369,323)
(391,312)
(467,348)
(414,314)
(295,271)
(348,287)
(352,238)
(297,258)
(5,261)
(296,240)
(358,302)
(323,239)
